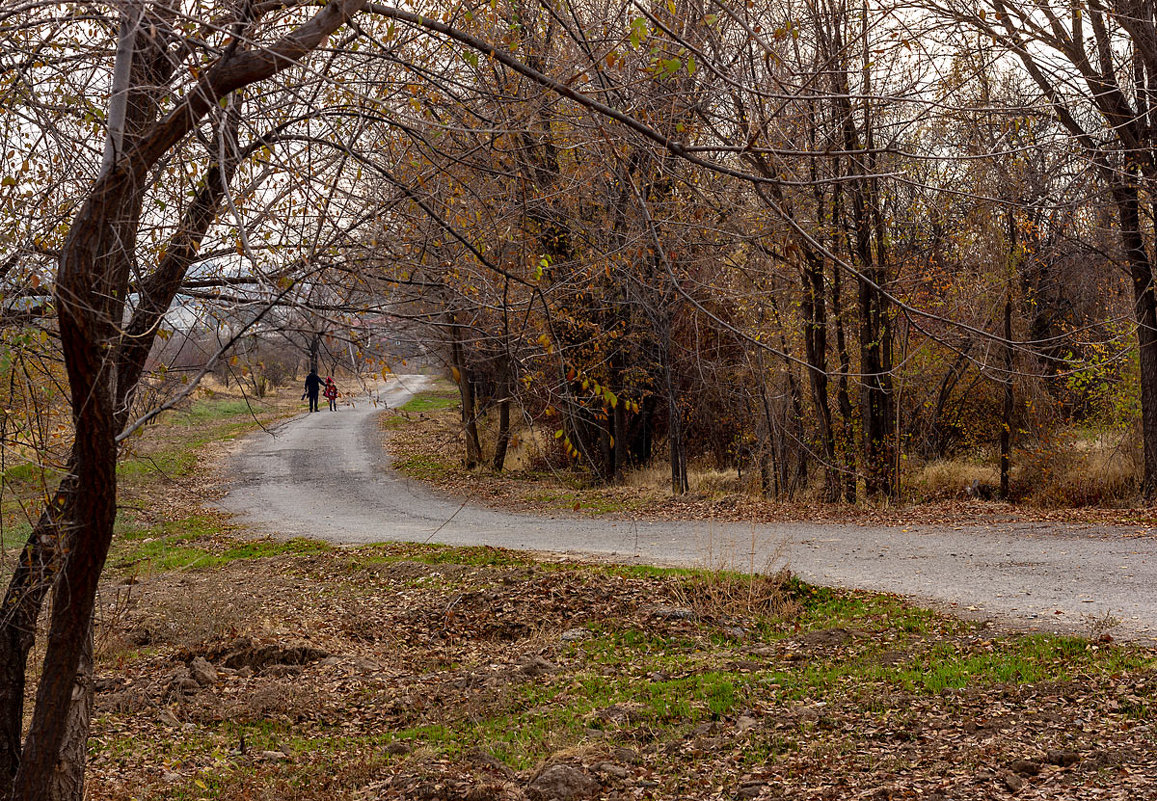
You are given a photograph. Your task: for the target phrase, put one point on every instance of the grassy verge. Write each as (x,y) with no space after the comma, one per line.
(162,484)
(439,672)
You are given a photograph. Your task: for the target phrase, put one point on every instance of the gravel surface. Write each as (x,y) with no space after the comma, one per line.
(325,475)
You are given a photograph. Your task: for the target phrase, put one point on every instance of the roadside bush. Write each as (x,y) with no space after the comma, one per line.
(725,594)
(1088,468)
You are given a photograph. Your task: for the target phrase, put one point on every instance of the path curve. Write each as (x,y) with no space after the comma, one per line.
(325,475)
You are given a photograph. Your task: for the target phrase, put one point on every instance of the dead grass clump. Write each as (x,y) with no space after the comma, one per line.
(711,481)
(282,699)
(527,449)
(656,477)
(725,594)
(187,620)
(1067,470)
(1080,472)
(946,479)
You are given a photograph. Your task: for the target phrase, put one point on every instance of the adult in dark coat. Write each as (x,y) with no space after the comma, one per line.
(312,388)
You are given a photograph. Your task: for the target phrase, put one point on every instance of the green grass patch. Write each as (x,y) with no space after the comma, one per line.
(215,410)
(424,467)
(431,401)
(28,473)
(471,556)
(258,549)
(591,503)
(186,543)
(825,608)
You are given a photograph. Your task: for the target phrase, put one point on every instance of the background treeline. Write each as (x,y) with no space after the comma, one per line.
(899,256)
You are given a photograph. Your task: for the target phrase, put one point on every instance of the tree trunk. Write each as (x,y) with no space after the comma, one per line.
(503,439)
(1145,311)
(676,446)
(88,536)
(620,428)
(30,584)
(92,283)
(843,396)
(815,348)
(466,394)
(618,421)
(68,779)
(1006,410)
(314,350)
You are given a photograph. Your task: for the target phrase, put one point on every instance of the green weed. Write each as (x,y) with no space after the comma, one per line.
(262,548)
(430,401)
(423,467)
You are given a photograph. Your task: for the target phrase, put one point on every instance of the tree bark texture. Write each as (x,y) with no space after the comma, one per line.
(68,779)
(502,440)
(815,348)
(466,395)
(1145,311)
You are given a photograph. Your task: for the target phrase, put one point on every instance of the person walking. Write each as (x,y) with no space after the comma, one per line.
(312,388)
(330,393)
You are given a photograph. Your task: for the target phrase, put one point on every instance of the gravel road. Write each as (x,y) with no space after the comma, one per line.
(325,475)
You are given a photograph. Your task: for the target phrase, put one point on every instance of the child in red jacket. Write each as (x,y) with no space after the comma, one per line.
(330,393)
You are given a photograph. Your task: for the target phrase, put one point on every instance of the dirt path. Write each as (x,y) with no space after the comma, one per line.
(325,475)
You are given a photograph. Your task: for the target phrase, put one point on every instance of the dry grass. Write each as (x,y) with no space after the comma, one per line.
(947,478)
(1069,471)
(716,595)
(1098,471)
(700,480)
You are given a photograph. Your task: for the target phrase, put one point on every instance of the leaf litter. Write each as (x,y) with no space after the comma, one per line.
(409,672)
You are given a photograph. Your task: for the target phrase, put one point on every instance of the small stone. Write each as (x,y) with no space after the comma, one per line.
(751,790)
(575,635)
(612,770)
(1012,781)
(735,632)
(1025,767)
(203,672)
(561,782)
(746,723)
(170,777)
(1063,759)
(537,666)
(273,756)
(674,613)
